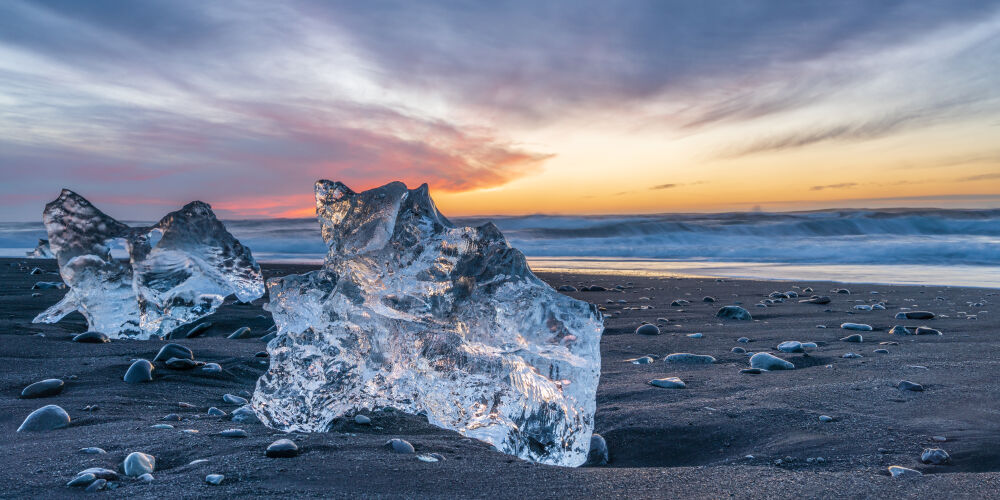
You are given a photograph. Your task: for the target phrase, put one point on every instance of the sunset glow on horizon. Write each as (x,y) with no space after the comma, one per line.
(508,108)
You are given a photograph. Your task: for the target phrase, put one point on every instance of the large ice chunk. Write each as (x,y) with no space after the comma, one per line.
(411,312)
(178,270)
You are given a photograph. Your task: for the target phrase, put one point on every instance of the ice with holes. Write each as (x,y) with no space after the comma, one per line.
(178,270)
(411,312)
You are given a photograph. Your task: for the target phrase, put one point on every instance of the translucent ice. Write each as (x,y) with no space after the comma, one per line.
(41,251)
(411,312)
(178,270)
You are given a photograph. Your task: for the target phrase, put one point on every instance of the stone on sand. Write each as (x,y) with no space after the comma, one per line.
(362,419)
(766,361)
(81,480)
(234,399)
(852,355)
(734,313)
(215,412)
(97,485)
(92,338)
(240,333)
(173,351)
(752,371)
(182,364)
(140,371)
(199,329)
(138,463)
(860,327)
(906,385)
(101,473)
(647,329)
(92,450)
(900,330)
(211,368)
(234,433)
(598,454)
(668,383)
(214,479)
(791,346)
(146,478)
(925,330)
(46,418)
(43,388)
(900,471)
(915,315)
(400,446)
(244,415)
(738,350)
(816,300)
(825,418)
(282,448)
(935,456)
(688,358)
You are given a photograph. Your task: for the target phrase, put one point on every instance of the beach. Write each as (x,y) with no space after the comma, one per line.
(726,434)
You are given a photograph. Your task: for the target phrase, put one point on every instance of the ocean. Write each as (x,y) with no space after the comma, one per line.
(902,246)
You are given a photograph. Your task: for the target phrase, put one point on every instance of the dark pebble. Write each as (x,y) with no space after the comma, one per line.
(173,351)
(140,371)
(47,387)
(46,418)
(182,364)
(199,329)
(92,338)
(400,446)
(240,333)
(647,329)
(282,448)
(598,454)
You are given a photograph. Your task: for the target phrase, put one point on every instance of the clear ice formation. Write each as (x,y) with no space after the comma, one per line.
(41,251)
(179,270)
(414,313)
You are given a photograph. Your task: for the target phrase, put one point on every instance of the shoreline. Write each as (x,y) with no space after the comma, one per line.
(674,442)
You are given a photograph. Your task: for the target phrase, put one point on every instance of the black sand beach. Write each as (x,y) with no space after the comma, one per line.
(691,442)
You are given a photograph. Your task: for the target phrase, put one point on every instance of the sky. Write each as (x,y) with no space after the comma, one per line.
(502,107)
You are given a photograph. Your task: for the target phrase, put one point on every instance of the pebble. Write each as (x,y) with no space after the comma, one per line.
(48,285)
(140,371)
(899,471)
(171,417)
(91,338)
(211,368)
(240,333)
(899,330)
(400,446)
(915,315)
(101,473)
(234,433)
(244,414)
(199,329)
(362,420)
(791,346)
(92,450)
(199,461)
(816,300)
(935,456)
(261,354)
(688,358)
(598,454)
(138,463)
(567,288)
(46,418)
(857,338)
(680,303)
(645,360)
(431,458)
(36,271)
(825,418)
(214,479)
(752,371)
(734,313)
(769,362)
(269,337)
(173,351)
(743,340)
(906,385)
(147,477)
(709,299)
(161,426)
(852,355)
(282,448)
(861,327)
(647,329)
(738,350)
(215,412)
(233,399)
(881,351)
(695,335)
(97,485)
(668,383)
(923,330)
(44,388)
(182,364)
(939,439)
(81,480)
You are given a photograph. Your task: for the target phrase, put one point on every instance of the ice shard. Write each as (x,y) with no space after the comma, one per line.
(178,270)
(414,313)
(41,251)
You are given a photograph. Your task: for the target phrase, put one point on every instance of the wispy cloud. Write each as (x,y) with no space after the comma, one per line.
(981,177)
(843,185)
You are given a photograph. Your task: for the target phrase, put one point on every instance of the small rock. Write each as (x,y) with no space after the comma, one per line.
(97,485)
(939,439)
(695,335)
(173,351)
(81,480)
(752,371)
(240,333)
(137,464)
(743,340)
(668,383)
(769,362)
(935,456)
(816,300)
(147,478)
(44,388)
(36,271)
(567,288)
(171,417)
(282,448)
(400,446)
(738,350)
(244,415)
(852,355)
(93,450)
(923,330)
(791,346)
(825,418)
(215,412)
(899,471)
(647,329)
(881,351)
(906,385)
(91,338)
(161,426)
(362,420)
(269,337)
(234,433)
(688,358)
(709,299)
(645,360)
(214,479)
(899,330)
(46,418)
(598,454)
(140,371)
(233,399)
(915,315)
(211,368)
(101,473)
(734,313)
(182,364)
(199,329)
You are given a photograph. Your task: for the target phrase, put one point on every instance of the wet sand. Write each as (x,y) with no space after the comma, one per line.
(690,442)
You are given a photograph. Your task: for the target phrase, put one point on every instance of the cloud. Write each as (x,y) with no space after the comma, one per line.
(982,177)
(664,186)
(843,185)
